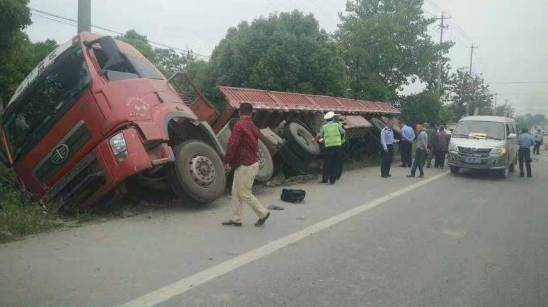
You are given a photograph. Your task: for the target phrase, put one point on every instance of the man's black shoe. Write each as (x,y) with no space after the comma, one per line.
(261,222)
(410,176)
(529,176)
(521,175)
(421,176)
(231,223)
(323,181)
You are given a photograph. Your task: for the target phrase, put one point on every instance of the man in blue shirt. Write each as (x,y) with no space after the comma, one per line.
(539,138)
(387,151)
(407,138)
(525,141)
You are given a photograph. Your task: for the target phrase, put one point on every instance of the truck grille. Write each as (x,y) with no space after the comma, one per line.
(82,182)
(474,152)
(63,152)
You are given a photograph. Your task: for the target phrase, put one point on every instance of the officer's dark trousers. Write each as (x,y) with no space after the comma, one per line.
(524,156)
(536,149)
(332,155)
(420,159)
(386,160)
(405,151)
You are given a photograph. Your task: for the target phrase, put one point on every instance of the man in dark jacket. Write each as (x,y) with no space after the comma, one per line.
(441,146)
(241,156)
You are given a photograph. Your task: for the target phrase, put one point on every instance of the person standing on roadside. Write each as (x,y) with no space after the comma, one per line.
(431,132)
(241,156)
(406,145)
(420,152)
(525,141)
(332,135)
(539,138)
(387,143)
(441,146)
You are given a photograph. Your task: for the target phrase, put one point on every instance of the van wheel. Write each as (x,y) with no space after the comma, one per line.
(504,173)
(454,170)
(266,165)
(197,172)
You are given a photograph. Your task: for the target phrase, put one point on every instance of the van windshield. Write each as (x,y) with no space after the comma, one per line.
(479,129)
(31,115)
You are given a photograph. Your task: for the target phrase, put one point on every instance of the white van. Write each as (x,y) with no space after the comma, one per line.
(484,142)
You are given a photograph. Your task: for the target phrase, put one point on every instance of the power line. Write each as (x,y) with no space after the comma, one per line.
(521,82)
(73,22)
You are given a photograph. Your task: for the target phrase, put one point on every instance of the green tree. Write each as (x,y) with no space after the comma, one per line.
(504,110)
(425,107)
(14,17)
(140,42)
(385,44)
(285,52)
(468,94)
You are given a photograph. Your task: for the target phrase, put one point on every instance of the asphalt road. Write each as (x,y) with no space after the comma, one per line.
(467,240)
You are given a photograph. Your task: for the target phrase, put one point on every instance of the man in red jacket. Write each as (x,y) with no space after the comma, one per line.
(241,156)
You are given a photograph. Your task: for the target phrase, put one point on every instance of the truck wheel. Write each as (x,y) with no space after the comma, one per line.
(266,165)
(301,141)
(197,172)
(454,170)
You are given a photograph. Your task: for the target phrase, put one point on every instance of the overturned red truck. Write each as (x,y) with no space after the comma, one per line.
(96,112)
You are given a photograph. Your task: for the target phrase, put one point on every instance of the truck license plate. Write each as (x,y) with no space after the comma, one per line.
(472,160)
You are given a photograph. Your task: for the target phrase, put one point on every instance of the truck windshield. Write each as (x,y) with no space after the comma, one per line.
(30,116)
(480,129)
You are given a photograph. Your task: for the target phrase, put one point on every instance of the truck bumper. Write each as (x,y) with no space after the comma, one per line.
(100,172)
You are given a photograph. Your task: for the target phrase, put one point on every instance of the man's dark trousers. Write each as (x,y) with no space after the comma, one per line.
(405,151)
(524,155)
(386,160)
(420,159)
(440,158)
(536,149)
(331,162)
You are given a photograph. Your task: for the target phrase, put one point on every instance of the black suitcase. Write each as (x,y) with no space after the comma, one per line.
(293,196)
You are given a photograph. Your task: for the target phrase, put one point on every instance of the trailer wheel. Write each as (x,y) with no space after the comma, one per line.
(301,141)
(197,172)
(266,165)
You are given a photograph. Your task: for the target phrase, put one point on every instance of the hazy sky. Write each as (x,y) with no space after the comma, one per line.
(511,35)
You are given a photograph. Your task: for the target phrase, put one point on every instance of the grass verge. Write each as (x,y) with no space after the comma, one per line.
(18,216)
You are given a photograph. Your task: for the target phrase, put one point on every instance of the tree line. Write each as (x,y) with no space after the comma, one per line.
(379,48)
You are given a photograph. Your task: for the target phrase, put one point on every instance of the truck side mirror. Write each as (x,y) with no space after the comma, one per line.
(512,136)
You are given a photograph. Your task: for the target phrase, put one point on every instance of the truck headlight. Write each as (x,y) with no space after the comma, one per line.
(453,147)
(498,151)
(118,146)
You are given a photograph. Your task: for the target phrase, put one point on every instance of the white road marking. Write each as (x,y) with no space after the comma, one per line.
(179,287)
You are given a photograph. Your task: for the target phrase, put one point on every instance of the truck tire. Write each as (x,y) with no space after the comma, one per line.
(301,141)
(266,164)
(197,172)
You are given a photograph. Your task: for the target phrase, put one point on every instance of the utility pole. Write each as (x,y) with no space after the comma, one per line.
(495,104)
(470,76)
(472,55)
(84,16)
(440,70)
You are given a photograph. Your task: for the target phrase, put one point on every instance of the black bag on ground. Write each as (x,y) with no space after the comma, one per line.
(293,196)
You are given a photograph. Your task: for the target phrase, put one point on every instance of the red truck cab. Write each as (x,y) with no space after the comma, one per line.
(96,112)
